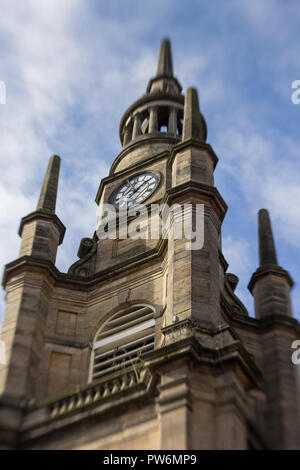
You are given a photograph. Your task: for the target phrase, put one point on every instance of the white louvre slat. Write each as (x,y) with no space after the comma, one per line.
(122,327)
(121,339)
(140,348)
(122,334)
(122,345)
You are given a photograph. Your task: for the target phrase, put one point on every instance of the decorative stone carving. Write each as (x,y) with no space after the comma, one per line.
(230,283)
(85,266)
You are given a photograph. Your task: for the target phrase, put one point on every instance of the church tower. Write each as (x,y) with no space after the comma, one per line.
(143,343)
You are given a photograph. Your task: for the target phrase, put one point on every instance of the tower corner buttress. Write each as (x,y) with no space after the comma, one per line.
(28,292)
(270,286)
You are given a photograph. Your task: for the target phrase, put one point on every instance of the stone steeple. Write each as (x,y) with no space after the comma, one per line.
(193,121)
(42,231)
(267,252)
(270,285)
(156,118)
(164,81)
(268,274)
(47,200)
(165,66)
(154,123)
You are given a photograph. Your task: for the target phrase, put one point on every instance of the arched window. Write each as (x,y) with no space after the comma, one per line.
(121,339)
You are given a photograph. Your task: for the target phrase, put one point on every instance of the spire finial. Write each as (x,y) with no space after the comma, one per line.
(192,122)
(267,252)
(47,200)
(165,67)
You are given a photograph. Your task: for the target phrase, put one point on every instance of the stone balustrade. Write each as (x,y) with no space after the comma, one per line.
(98,391)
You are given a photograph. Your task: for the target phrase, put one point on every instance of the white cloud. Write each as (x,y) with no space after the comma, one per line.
(65,95)
(238,254)
(266,172)
(71,71)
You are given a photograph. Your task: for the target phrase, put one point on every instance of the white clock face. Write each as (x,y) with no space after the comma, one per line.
(135,190)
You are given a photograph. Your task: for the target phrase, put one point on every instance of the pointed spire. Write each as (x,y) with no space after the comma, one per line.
(164,81)
(47,200)
(165,66)
(192,121)
(267,252)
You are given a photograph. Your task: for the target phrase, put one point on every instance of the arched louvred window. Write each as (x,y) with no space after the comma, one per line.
(121,339)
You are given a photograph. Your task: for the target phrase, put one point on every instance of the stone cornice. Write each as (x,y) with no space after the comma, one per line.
(259,325)
(193,188)
(162,77)
(42,214)
(275,319)
(63,341)
(168,139)
(269,269)
(234,352)
(193,143)
(77,282)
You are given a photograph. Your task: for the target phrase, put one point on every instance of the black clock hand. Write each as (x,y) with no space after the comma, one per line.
(137,189)
(127,191)
(139,194)
(132,187)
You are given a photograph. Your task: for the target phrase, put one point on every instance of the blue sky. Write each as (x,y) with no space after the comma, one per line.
(72,67)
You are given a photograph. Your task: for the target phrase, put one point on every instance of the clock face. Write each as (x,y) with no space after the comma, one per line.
(135,190)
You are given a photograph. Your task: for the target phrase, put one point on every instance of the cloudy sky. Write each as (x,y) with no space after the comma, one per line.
(71,68)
